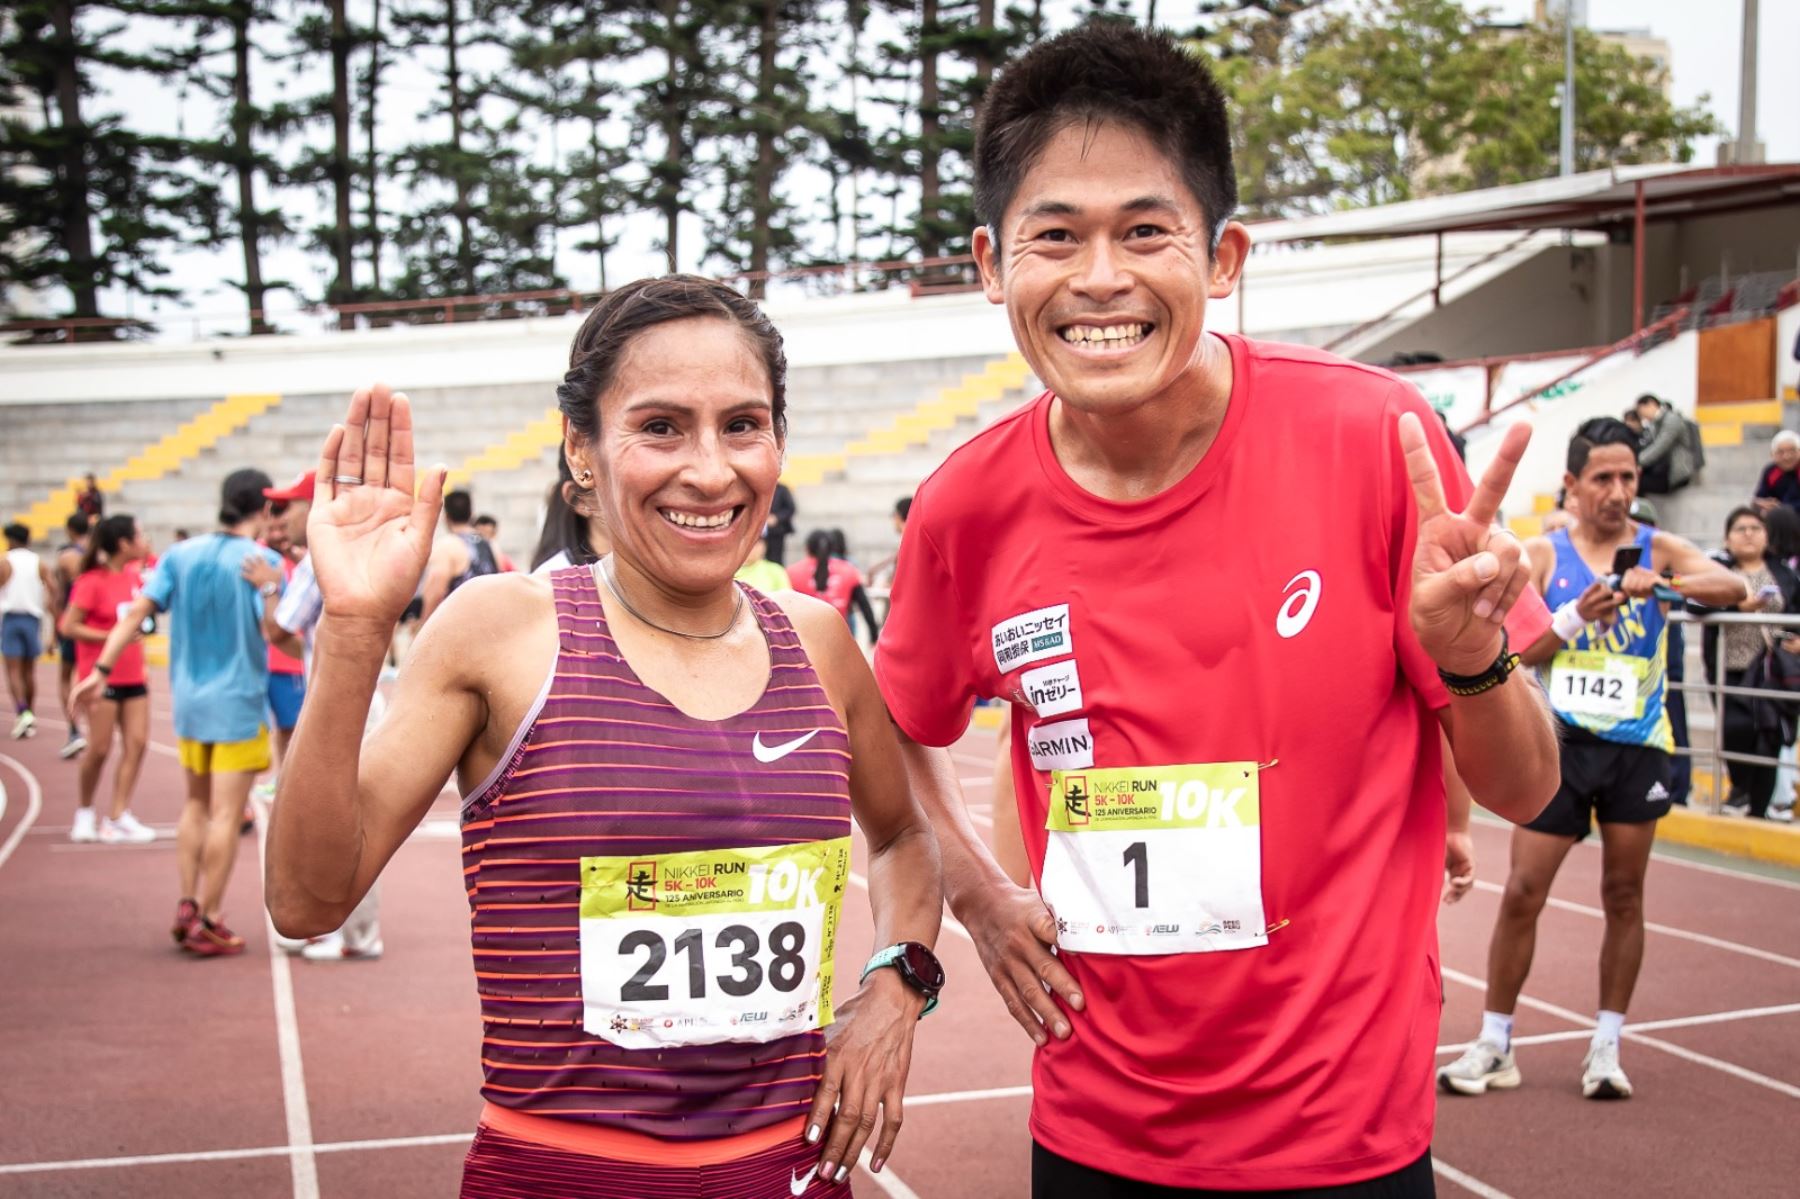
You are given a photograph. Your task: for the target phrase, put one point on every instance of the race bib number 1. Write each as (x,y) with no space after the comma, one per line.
(1155,859)
(712,945)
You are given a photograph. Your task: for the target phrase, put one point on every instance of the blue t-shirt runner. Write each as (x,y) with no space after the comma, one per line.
(218,660)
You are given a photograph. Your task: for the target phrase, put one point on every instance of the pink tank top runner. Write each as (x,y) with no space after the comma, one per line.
(604,766)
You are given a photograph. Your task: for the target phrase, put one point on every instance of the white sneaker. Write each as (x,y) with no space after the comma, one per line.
(288,944)
(333,948)
(1601,1077)
(23,725)
(126,830)
(1483,1066)
(74,745)
(83,829)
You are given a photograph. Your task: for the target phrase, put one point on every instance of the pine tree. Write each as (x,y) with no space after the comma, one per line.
(87,202)
(676,104)
(325,31)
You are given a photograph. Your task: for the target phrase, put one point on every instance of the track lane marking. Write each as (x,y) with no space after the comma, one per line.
(1575,1034)
(1466,1181)
(304,1168)
(1495,822)
(1567,905)
(1563,1013)
(34,804)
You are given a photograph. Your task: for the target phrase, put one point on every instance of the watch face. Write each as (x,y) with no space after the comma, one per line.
(923,965)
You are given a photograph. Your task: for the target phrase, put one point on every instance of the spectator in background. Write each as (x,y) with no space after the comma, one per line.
(1784,547)
(780,523)
(1665,455)
(762,574)
(882,573)
(1752,725)
(287,511)
(831,578)
(1633,421)
(1780,483)
(489,528)
(181,535)
(569,536)
(458,555)
(27,594)
(89,502)
(69,557)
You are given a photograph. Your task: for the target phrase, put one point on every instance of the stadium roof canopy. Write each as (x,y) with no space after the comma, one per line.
(1596,200)
(1620,202)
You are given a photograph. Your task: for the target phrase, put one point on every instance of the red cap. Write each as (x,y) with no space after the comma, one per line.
(299,489)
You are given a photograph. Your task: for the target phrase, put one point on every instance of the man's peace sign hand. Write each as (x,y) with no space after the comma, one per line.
(1466,571)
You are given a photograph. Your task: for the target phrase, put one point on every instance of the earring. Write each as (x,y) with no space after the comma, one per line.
(587,475)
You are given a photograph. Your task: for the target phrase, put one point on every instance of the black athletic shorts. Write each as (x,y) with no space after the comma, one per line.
(119,693)
(65,647)
(1054,1177)
(414,610)
(1603,780)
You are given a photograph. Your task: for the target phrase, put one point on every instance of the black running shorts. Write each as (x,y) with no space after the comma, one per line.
(1055,1177)
(1607,781)
(118,693)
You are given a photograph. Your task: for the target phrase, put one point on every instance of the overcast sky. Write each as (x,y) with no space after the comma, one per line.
(1704,37)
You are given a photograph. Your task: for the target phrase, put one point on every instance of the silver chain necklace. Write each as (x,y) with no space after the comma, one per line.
(612,584)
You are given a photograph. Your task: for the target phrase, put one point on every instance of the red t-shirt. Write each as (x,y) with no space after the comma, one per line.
(102,595)
(1306,1061)
(841,579)
(279,662)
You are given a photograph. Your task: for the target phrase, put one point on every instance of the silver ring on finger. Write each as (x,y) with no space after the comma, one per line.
(348,480)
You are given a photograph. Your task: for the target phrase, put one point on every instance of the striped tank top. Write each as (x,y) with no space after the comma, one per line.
(603,766)
(1625,662)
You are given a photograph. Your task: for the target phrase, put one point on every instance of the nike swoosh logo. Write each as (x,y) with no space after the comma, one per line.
(774,753)
(799,1182)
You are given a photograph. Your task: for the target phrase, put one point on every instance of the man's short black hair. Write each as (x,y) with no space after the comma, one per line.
(1106,71)
(458,507)
(902,507)
(18,534)
(1602,430)
(485,519)
(1647,398)
(241,495)
(77,524)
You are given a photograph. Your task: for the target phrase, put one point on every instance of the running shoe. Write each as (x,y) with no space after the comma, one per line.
(1601,1077)
(187,915)
(246,821)
(1483,1066)
(334,948)
(74,745)
(83,829)
(126,830)
(211,939)
(22,727)
(288,944)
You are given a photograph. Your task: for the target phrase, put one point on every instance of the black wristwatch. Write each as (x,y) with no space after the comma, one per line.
(917,965)
(102,669)
(1474,684)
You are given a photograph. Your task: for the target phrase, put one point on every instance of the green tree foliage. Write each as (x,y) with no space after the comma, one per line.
(86,201)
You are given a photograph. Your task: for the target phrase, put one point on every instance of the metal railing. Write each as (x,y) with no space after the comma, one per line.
(1717,691)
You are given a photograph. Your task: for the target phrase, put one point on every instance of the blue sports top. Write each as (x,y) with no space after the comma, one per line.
(1601,667)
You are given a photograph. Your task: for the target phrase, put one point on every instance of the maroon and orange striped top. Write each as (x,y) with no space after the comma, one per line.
(604,766)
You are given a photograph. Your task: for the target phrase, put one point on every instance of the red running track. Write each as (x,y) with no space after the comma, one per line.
(130,1069)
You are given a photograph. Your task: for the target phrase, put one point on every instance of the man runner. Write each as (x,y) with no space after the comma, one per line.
(27,594)
(1226,704)
(1605,660)
(219,681)
(461,553)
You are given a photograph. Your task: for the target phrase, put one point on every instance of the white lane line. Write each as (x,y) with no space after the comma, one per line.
(1575,1034)
(304,1168)
(1671,859)
(231,1155)
(1563,1013)
(1466,1181)
(34,804)
(1751,951)
(448,1138)
(887,1182)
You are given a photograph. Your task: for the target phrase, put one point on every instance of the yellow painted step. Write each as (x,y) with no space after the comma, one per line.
(1722,434)
(1543,505)
(1526,526)
(1756,412)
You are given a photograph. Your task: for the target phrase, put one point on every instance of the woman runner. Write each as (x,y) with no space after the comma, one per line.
(658,766)
(106,583)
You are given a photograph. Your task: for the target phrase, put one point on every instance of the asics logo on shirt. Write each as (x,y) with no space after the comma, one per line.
(799,1182)
(1297,609)
(774,753)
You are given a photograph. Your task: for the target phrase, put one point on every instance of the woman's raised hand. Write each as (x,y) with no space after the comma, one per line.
(369,535)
